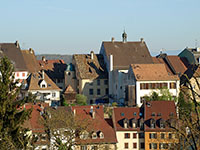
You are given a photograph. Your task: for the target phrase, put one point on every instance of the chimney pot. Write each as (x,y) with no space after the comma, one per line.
(92,54)
(17,44)
(43,59)
(142,40)
(112,39)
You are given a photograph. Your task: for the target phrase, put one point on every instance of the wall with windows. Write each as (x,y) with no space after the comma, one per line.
(130,140)
(159,140)
(96,147)
(93,89)
(145,88)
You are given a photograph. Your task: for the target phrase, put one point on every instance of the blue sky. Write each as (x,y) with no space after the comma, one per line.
(79,26)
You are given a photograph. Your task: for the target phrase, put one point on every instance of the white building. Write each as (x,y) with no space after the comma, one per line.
(118,55)
(143,79)
(40,85)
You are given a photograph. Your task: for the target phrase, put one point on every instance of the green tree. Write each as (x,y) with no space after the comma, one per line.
(81,99)
(12,134)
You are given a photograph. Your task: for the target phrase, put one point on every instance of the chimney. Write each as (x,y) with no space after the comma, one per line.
(43,74)
(17,44)
(92,112)
(43,59)
(198,49)
(111,62)
(92,55)
(142,40)
(112,39)
(31,50)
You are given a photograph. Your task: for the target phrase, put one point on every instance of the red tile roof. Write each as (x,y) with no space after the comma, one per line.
(120,113)
(96,124)
(160,109)
(35,121)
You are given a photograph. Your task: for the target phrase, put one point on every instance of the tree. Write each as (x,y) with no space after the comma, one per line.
(81,99)
(63,127)
(12,134)
(162,95)
(187,127)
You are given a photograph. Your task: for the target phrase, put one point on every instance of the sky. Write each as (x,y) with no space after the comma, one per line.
(79,26)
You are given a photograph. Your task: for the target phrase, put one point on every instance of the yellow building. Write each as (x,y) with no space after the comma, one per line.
(158,134)
(92,77)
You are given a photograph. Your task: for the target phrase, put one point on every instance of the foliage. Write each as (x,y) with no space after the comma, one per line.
(81,99)
(162,95)
(63,128)
(187,127)
(12,134)
(114,104)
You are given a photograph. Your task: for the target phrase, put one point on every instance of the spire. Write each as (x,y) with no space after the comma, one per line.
(124,36)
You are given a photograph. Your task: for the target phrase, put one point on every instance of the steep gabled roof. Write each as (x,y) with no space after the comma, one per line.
(159,110)
(88,68)
(152,72)
(127,53)
(30,60)
(36,78)
(13,52)
(122,113)
(96,124)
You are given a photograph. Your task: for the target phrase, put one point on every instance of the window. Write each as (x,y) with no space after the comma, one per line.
(98,92)
(43,86)
(152,135)
(163,146)
(173,85)
(170,135)
(134,135)
(134,114)
(98,82)
(91,83)
(134,145)
(153,146)
(94,148)
(122,114)
(53,94)
(94,135)
(84,147)
(43,138)
(141,135)
(107,91)
(23,74)
(91,91)
(125,145)
(142,145)
(126,135)
(153,114)
(162,135)
(105,82)
(159,114)
(17,74)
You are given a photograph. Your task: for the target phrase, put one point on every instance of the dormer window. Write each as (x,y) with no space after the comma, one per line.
(43,84)
(162,123)
(152,123)
(94,135)
(153,114)
(126,123)
(134,123)
(101,135)
(84,135)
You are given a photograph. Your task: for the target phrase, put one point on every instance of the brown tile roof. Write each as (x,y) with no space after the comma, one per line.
(30,60)
(160,60)
(69,89)
(36,78)
(96,124)
(160,109)
(127,53)
(175,61)
(88,68)
(53,68)
(14,54)
(120,113)
(152,72)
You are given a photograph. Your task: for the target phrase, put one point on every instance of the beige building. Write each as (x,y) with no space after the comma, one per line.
(129,125)
(92,77)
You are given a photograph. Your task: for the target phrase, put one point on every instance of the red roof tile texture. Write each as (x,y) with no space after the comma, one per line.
(96,124)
